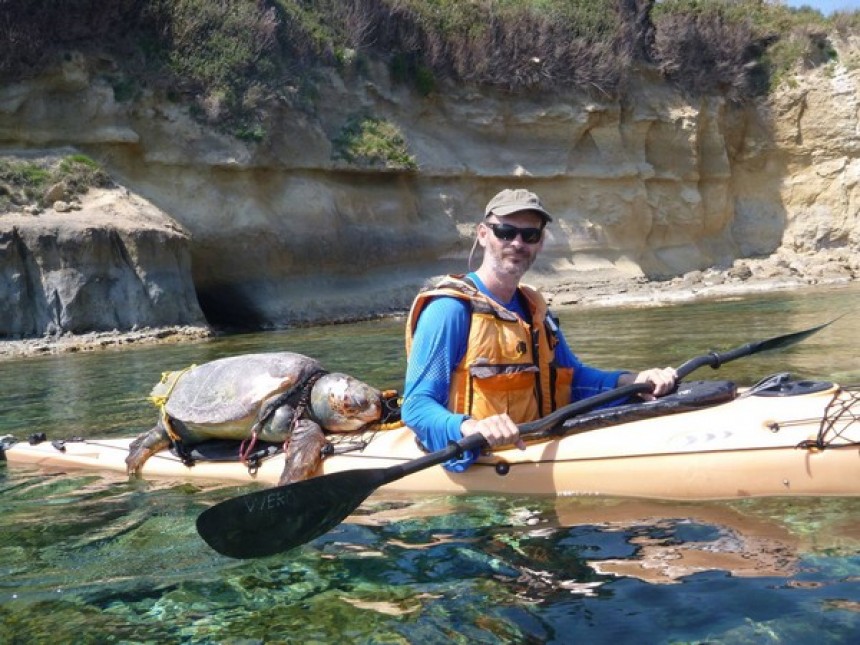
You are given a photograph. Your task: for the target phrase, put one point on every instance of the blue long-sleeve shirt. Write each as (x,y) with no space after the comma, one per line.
(439,345)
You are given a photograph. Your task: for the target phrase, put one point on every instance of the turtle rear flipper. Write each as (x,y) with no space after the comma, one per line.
(304,453)
(144,446)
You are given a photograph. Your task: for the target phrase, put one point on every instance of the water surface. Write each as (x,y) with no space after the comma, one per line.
(86,557)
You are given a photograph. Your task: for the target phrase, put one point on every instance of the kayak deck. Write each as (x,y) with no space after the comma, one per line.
(795,445)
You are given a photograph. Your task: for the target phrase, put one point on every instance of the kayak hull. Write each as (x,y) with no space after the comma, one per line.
(748,447)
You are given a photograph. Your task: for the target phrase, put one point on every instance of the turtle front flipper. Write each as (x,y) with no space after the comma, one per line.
(144,446)
(280,425)
(304,453)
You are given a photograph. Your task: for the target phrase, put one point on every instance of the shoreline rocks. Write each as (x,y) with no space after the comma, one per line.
(782,271)
(94,341)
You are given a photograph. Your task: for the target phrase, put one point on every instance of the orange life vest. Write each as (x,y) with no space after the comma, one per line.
(509,364)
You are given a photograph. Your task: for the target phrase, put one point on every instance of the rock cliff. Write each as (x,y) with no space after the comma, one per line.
(281,232)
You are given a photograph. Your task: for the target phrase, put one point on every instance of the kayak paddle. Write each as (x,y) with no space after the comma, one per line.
(283,517)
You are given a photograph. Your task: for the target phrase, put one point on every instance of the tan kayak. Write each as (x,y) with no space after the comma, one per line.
(800,440)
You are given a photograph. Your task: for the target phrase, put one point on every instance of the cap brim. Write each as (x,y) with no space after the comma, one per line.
(501,211)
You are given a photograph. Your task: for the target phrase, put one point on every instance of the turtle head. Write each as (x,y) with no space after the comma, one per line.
(342,403)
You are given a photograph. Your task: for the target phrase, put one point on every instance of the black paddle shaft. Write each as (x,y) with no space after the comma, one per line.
(281,518)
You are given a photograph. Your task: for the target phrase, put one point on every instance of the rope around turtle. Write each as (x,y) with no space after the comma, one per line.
(160,400)
(301,406)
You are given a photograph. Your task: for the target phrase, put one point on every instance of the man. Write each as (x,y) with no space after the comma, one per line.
(483,352)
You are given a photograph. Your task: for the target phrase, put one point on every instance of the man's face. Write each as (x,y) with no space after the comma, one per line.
(510,257)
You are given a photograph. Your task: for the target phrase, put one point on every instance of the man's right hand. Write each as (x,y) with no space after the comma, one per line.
(498,430)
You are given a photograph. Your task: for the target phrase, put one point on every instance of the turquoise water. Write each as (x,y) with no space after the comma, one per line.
(88,558)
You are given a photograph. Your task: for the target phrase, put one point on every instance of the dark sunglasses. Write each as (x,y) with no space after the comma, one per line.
(509,232)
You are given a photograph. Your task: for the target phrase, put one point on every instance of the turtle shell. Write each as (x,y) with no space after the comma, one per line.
(230,389)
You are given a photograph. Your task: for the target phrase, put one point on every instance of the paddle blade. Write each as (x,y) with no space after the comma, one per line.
(780,342)
(279,519)
(716,359)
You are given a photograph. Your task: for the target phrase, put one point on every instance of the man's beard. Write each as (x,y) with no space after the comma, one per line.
(505,264)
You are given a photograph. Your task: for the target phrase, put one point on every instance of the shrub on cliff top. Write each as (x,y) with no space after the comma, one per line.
(220,55)
(24,183)
(33,31)
(80,173)
(525,44)
(740,48)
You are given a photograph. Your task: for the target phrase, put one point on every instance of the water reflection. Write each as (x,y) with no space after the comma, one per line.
(658,542)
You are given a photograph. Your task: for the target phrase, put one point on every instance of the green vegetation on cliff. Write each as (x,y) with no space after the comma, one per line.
(27,183)
(371,142)
(231,59)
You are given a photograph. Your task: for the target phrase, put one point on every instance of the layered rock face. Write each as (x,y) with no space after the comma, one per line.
(281,232)
(118,263)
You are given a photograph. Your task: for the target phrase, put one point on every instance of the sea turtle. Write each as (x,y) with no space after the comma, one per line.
(276,397)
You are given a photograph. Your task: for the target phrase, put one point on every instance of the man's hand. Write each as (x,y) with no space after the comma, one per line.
(498,430)
(663,380)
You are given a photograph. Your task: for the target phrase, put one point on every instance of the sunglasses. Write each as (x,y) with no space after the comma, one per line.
(509,232)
